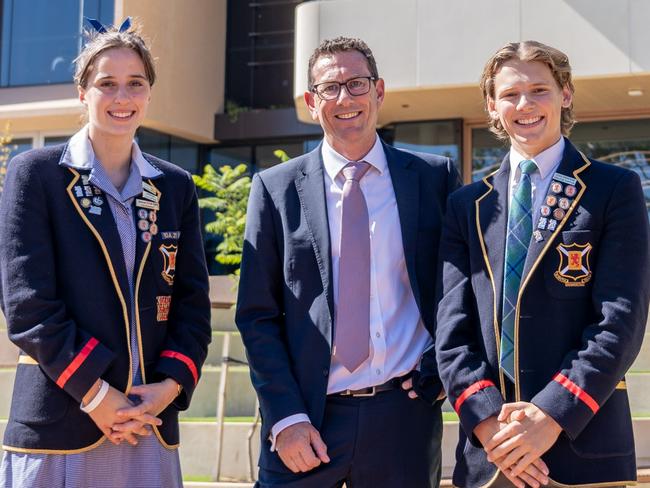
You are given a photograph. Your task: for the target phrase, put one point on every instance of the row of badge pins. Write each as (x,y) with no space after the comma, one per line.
(549,216)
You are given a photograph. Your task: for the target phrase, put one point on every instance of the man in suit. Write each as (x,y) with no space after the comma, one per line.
(336,301)
(545,293)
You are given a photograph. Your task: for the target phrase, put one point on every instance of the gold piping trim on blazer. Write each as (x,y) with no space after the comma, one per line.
(549,241)
(622,385)
(137,322)
(116,284)
(497,336)
(54,451)
(595,485)
(24,359)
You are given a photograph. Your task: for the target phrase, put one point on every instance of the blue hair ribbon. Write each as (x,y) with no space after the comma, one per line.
(100,28)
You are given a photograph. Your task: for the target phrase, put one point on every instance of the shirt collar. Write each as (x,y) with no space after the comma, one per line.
(334,162)
(546,161)
(79,154)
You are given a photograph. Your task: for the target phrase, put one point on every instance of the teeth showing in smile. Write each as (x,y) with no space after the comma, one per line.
(121,115)
(529,121)
(349,115)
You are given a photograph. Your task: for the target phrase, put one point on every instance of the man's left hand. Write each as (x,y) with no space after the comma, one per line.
(529,434)
(408,386)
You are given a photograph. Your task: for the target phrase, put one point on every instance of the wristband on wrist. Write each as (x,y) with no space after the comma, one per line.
(94,403)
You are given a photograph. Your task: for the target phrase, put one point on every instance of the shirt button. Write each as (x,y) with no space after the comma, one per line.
(326,372)
(378,371)
(378,335)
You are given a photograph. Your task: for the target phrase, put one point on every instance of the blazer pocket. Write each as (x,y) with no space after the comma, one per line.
(609,433)
(36,399)
(568,265)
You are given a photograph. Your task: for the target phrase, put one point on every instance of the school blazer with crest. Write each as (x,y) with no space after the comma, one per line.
(579,325)
(66,299)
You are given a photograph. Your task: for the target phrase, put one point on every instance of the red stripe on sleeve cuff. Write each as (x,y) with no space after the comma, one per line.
(182,357)
(76,362)
(577,391)
(479,385)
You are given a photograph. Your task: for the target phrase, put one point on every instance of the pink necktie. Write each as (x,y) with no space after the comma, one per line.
(352,330)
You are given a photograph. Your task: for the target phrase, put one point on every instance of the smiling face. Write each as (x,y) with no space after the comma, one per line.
(528,102)
(349,122)
(117,94)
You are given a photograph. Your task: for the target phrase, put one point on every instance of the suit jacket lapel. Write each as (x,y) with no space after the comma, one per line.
(310,185)
(572,164)
(406,185)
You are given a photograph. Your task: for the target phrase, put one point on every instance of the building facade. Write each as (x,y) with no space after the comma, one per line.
(232,73)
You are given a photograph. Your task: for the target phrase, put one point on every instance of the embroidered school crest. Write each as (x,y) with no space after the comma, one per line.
(169,262)
(573,269)
(162,307)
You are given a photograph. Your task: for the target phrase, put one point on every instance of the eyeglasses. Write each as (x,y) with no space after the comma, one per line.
(330,90)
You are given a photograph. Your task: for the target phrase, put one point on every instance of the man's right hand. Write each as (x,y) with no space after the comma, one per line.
(301,448)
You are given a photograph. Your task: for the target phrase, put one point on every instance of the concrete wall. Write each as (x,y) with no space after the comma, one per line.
(188,39)
(430,46)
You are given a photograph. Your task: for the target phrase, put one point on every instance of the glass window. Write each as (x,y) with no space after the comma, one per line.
(435,137)
(487,153)
(231,156)
(16,146)
(264,157)
(41,38)
(179,151)
(54,140)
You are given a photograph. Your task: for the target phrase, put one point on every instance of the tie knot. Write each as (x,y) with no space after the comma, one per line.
(527,166)
(355,170)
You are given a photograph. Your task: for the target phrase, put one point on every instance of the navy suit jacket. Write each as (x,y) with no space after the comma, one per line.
(67,300)
(285,306)
(580,318)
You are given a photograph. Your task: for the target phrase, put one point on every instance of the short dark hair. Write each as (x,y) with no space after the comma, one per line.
(338,45)
(557,62)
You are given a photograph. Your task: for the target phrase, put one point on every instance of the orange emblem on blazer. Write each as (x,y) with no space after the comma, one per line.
(162,307)
(573,269)
(169,262)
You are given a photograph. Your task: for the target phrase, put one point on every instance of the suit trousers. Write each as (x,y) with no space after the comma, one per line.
(384,441)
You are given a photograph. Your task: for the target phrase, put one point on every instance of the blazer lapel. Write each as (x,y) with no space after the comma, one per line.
(573,163)
(95,211)
(406,185)
(310,185)
(491,225)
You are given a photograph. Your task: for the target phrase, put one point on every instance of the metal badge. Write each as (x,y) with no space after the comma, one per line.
(153,228)
(565,179)
(564,203)
(99,201)
(78,191)
(538,236)
(153,216)
(146,204)
(85,202)
(88,191)
(143,224)
(542,223)
(95,210)
(142,213)
(162,307)
(552,224)
(150,196)
(574,269)
(558,213)
(146,236)
(556,187)
(545,211)
(97,191)
(570,190)
(551,200)
(85,179)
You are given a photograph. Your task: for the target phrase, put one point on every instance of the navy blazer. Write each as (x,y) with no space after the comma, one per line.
(285,305)
(66,298)
(580,317)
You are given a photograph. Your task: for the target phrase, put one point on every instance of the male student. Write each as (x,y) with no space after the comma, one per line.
(545,290)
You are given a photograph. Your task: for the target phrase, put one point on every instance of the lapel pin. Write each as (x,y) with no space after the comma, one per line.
(538,236)
(95,210)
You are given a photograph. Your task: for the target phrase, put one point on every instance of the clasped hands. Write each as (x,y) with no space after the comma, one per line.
(515,441)
(120,419)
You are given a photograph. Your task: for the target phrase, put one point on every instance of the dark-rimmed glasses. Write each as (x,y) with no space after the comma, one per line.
(330,90)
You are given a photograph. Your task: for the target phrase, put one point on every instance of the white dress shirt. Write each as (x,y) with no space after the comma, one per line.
(397,334)
(547,163)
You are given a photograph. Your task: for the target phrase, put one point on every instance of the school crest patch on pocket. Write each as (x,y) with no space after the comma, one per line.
(574,269)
